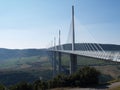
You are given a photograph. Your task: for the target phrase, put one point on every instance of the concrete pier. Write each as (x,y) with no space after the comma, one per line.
(73,63)
(59,62)
(54,63)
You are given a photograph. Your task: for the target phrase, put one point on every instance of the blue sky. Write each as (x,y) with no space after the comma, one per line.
(34,23)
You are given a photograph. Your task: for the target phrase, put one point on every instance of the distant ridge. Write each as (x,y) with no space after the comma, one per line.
(17,53)
(106,47)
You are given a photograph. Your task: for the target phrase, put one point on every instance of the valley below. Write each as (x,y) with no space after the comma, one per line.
(28,65)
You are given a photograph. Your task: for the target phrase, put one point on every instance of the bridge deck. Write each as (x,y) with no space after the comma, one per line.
(108,55)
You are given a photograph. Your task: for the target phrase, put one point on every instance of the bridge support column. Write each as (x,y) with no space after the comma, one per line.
(59,62)
(54,63)
(73,63)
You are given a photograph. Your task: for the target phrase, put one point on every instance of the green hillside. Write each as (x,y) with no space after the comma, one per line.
(27,69)
(31,64)
(23,62)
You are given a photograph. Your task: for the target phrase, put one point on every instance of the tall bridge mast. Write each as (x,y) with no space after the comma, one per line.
(73,57)
(60,40)
(73,30)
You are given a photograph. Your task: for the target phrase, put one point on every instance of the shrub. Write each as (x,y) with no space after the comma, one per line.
(86,76)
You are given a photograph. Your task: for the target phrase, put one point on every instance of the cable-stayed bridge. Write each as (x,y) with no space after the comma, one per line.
(89,50)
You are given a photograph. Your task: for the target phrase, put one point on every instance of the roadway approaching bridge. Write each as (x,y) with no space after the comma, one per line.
(89,50)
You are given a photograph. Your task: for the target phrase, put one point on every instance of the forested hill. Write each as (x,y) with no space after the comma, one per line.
(17,53)
(106,47)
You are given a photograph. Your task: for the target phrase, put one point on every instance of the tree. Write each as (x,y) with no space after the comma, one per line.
(40,85)
(21,86)
(88,76)
(2,87)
